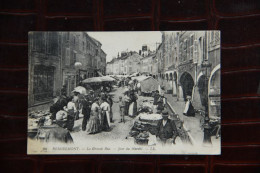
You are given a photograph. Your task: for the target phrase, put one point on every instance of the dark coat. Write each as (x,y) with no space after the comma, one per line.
(86,109)
(63,101)
(168,131)
(156,97)
(191,111)
(160,103)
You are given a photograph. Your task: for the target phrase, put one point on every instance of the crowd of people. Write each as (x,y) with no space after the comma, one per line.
(96,108)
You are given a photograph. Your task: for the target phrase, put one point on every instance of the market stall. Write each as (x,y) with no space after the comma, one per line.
(148,84)
(42,128)
(97,82)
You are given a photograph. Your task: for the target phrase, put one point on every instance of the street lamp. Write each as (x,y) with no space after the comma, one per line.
(207,136)
(77,65)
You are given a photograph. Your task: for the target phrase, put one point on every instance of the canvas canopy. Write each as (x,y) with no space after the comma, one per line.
(99,79)
(135,74)
(148,83)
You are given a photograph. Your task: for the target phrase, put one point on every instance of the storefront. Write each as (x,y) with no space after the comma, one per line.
(44,79)
(43,83)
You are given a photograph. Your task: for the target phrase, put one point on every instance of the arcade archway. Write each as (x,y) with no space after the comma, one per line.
(187,84)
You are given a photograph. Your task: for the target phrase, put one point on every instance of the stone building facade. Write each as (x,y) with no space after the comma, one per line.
(126,64)
(45,66)
(146,64)
(189,65)
(61,58)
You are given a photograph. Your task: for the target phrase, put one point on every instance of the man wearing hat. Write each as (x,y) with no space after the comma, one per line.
(156,97)
(91,96)
(166,129)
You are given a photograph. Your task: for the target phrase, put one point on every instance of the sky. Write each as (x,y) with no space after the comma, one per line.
(114,42)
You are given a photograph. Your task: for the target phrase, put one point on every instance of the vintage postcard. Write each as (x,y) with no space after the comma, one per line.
(124,92)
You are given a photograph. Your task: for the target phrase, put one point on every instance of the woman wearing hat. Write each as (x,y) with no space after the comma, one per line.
(105,114)
(93,125)
(189,109)
(133,104)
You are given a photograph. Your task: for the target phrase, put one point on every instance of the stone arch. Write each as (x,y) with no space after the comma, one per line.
(171,76)
(200,74)
(214,92)
(217,68)
(187,83)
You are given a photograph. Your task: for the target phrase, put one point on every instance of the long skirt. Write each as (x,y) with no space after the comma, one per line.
(93,125)
(70,120)
(105,121)
(132,109)
(189,109)
(127,108)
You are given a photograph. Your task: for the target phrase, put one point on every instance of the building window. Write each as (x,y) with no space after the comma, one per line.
(48,42)
(185,50)
(74,40)
(43,83)
(67,57)
(130,69)
(59,45)
(67,36)
(191,46)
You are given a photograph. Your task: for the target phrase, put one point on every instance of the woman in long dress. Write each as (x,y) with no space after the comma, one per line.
(105,117)
(133,105)
(110,102)
(71,110)
(93,125)
(189,109)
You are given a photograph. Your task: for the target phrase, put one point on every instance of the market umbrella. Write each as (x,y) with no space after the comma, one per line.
(107,79)
(92,80)
(80,90)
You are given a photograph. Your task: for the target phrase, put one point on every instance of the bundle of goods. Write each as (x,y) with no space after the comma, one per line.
(34,119)
(140,134)
(150,118)
(146,106)
(61,118)
(144,125)
(142,138)
(150,121)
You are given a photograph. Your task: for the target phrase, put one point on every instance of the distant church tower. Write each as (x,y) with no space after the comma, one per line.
(145,50)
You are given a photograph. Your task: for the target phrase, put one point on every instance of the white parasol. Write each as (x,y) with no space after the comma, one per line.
(80,90)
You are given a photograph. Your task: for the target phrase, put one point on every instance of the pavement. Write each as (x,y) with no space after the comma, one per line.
(191,124)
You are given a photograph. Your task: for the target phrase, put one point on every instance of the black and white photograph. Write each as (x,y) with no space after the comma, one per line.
(141,92)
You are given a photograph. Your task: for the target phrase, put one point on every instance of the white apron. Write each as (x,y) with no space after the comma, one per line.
(187,105)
